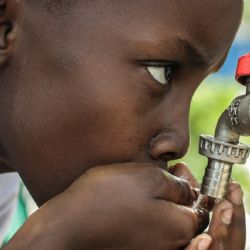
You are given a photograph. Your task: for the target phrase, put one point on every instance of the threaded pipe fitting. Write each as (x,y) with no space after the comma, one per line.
(221,157)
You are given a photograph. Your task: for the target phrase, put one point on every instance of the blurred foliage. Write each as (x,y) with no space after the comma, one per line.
(209,101)
(247,10)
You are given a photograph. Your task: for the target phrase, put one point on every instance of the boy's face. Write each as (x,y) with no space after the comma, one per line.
(89,86)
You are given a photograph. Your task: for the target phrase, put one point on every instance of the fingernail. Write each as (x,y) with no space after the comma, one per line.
(195,193)
(227,216)
(237,196)
(204,244)
(184,177)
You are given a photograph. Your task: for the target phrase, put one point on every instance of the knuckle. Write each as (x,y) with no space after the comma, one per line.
(186,237)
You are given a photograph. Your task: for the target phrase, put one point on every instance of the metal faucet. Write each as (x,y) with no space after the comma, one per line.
(224,149)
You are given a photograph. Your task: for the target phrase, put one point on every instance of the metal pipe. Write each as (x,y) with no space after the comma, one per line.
(226,129)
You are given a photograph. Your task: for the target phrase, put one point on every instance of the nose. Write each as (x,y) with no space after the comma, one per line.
(166,146)
(171,141)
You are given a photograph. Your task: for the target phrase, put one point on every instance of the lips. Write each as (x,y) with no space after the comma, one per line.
(161,164)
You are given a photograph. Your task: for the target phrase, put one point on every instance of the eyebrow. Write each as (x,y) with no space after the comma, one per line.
(197,56)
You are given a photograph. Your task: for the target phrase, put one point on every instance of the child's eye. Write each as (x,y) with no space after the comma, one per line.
(162,74)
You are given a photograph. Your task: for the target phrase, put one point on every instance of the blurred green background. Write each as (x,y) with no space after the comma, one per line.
(212,98)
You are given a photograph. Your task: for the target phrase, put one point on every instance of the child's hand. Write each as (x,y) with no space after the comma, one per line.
(227,228)
(124,206)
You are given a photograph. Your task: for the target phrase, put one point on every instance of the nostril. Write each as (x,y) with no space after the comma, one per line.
(166,147)
(168,156)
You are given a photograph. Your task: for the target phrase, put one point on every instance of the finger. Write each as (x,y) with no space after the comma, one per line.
(235,194)
(150,178)
(238,227)
(201,242)
(220,224)
(181,170)
(175,189)
(171,215)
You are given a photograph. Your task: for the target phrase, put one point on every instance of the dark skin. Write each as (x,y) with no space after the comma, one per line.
(78,99)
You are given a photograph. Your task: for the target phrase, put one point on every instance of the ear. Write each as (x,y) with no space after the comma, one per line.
(8,22)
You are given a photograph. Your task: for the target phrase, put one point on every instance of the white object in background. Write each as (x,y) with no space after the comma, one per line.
(9,189)
(30,204)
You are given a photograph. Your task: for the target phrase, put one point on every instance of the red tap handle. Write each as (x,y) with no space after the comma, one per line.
(243,68)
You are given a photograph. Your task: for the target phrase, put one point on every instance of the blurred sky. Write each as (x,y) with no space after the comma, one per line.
(240,47)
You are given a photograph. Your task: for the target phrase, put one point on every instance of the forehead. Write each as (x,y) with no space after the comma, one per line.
(209,26)
(207,23)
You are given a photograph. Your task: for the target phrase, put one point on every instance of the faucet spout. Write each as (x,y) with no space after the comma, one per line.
(226,129)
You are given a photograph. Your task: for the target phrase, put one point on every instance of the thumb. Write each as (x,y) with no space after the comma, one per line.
(181,170)
(200,242)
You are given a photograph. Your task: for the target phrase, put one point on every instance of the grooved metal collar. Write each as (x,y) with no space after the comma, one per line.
(219,150)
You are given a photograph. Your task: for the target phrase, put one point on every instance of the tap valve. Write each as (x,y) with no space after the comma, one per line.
(224,149)
(243,70)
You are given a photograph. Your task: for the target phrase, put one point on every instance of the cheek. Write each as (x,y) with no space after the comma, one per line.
(80,126)
(52,136)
